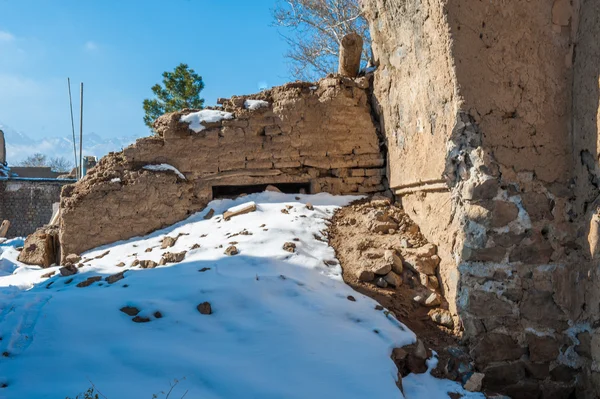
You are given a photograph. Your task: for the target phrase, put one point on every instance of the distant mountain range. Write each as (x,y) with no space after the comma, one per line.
(19,146)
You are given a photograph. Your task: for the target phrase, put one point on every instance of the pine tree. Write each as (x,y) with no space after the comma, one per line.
(181,89)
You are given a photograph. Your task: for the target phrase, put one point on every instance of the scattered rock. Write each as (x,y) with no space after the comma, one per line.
(68,270)
(204,308)
(49,274)
(290,247)
(168,242)
(120,264)
(148,264)
(102,255)
(433,300)
(239,210)
(115,277)
(310,206)
(204,269)
(41,248)
(419,299)
(89,281)
(209,214)
(73,258)
(130,310)
(381,282)
(285,211)
(380,201)
(351,298)
(135,263)
(474,383)
(393,279)
(140,319)
(365,275)
(404,243)
(171,257)
(231,250)
(272,189)
(392,258)
(441,317)
(157,315)
(148,249)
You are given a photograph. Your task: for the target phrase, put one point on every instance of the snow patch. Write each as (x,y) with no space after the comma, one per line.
(163,167)
(195,119)
(255,104)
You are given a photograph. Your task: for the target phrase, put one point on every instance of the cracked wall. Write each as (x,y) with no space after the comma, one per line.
(319,134)
(481,103)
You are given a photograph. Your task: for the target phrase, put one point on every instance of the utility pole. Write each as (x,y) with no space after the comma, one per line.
(73,129)
(81,133)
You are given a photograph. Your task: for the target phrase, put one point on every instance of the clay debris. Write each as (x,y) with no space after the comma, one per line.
(239,210)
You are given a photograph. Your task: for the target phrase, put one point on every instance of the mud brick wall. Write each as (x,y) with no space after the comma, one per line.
(318,134)
(489,110)
(27,204)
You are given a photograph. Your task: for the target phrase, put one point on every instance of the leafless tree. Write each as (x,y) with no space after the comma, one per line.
(314,30)
(58,164)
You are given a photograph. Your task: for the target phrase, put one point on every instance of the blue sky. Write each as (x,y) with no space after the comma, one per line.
(119,49)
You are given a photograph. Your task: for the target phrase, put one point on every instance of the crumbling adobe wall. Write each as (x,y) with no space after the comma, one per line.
(478,95)
(321,134)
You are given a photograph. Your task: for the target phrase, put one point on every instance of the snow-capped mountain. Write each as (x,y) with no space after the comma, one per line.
(19,146)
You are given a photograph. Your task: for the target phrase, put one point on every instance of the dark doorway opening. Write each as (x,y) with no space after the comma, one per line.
(234,191)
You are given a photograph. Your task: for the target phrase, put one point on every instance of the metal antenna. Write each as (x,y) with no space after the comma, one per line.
(73,128)
(81,133)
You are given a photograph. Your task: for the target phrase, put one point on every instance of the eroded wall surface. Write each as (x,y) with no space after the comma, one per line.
(477,103)
(318,134)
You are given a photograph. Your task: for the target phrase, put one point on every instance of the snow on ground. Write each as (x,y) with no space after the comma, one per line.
(282,324)
(163,167)
(255,104)
(195,119)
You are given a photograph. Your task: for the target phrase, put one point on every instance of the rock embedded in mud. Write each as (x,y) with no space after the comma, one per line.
(393,279)
(365,275)
(433,300)
(441,317)
(231,250)
(68,270)
(204,308)
(381,283)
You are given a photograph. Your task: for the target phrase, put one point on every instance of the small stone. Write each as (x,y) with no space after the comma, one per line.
(120,264)
(381,282)
(158,315)
(204,269)
(204,308)
(396,261)
(290,247)
(102,255)
(351,298)
(130,310)
(89,281)
(115,277)
(195,246)
(135,263)
(171,257)
(393,279)
(148,264)
(73,258)
(148,250)
(420,350)
(432,300)
(378,307)
(140,319)
(49,274)
(272,189)
(474,383)
(365,275)
(441,317)
(68,270)
(209,214)
(404,243)
(419,299)
(434,283)
(310,206)
(168,242)
(231,250)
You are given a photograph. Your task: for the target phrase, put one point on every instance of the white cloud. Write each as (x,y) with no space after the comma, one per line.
(6,36)
(90,46)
